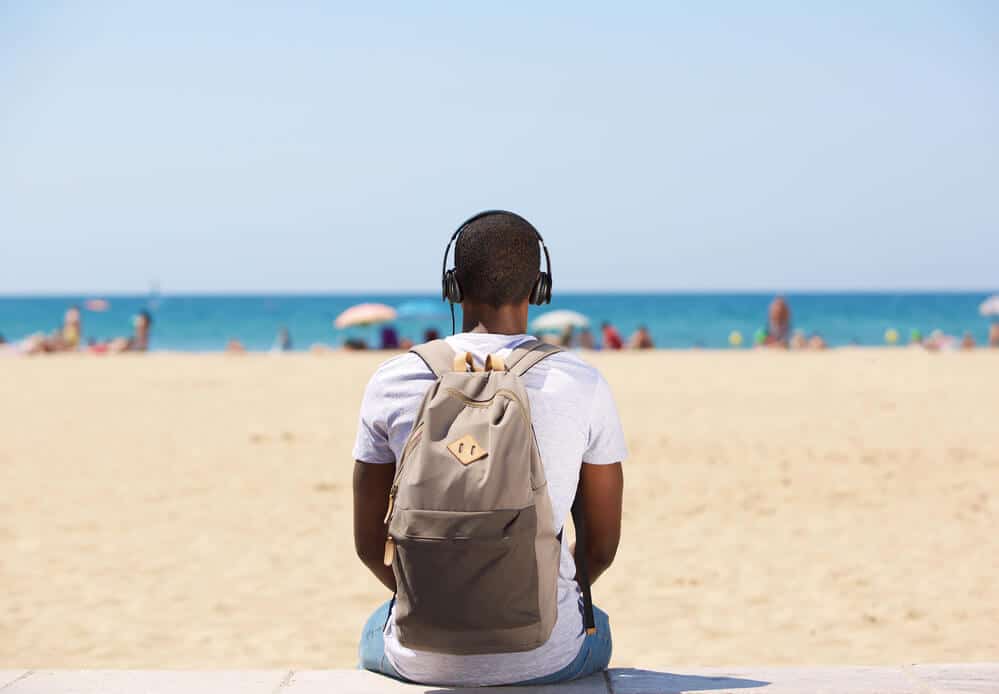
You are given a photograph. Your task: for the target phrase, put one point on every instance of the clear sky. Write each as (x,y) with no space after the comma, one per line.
(316,147)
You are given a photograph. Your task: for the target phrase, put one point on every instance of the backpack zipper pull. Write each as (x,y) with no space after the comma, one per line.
(391,504)
(389,551)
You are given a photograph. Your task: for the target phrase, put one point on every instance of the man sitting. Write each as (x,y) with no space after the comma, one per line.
(579,438)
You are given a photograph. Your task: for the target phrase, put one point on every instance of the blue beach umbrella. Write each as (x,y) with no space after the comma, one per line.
(421,309)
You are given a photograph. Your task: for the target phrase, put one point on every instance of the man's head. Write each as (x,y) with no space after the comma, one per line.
(496,260)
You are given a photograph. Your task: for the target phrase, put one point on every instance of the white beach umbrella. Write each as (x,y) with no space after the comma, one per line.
(990,307)
(560,320)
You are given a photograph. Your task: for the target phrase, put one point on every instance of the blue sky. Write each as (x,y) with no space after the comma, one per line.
(316,147)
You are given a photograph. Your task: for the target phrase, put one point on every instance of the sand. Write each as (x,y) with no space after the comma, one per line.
(194,510)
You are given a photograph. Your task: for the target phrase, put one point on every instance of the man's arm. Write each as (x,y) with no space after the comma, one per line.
(371,490)
(601,488)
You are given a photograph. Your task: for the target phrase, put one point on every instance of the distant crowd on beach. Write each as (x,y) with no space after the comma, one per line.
(569,338)
(69,337)
(776,333)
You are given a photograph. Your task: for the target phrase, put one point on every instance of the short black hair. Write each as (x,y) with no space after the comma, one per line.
(496,259)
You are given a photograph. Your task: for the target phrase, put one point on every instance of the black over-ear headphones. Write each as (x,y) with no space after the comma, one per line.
(541,293)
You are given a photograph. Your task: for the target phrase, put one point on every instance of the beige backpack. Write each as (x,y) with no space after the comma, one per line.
(470,531)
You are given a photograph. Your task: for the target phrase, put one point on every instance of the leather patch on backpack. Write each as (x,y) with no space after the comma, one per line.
(467,450)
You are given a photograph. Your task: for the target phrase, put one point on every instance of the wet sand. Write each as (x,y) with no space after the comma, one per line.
(193,511)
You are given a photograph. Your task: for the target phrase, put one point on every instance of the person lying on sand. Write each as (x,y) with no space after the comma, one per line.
(139,341)
(641,339)
(503,608)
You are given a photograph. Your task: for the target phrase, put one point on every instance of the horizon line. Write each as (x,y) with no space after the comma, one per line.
(61,294)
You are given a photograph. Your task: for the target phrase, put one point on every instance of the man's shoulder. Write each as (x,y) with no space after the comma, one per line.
(401,367)
(573,367)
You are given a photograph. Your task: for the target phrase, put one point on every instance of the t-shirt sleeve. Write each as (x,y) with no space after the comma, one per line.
(605,443)
(372,443)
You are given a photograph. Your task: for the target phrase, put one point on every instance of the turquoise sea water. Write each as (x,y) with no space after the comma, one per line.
(205,323)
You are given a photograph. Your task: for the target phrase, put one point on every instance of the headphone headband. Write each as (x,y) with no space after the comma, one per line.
(487,213)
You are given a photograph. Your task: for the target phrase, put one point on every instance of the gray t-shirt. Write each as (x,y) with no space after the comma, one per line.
(575,420)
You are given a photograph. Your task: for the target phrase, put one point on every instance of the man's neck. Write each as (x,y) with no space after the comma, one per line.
(510,319)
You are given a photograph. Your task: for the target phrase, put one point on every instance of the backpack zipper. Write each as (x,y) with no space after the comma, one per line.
(471,402)
(413,440)
(389,556)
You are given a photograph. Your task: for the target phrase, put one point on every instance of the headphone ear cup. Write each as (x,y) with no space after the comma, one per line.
(536,290)
(452,290)
(542,292)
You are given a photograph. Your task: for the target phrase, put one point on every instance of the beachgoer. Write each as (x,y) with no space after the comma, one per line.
(641,339)
(431,334)
(994,335)
(283,341)
(390,338)
(968,341)
(612,338)
(798,340)
(565,339)
(234,346)
(95,346)
(586,340)
(778,331)
(578,435)
(72,329)
(65,338)
(142,324)
(816,341)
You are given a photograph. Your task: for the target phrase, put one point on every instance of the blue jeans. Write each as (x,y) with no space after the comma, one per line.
(594,655)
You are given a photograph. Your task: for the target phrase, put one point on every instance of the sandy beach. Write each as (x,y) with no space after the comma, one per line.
(193,511)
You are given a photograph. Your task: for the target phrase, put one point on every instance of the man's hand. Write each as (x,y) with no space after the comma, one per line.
(371,490)
(601,488)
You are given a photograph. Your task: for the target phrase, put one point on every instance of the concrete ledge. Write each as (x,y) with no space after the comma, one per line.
(979,678)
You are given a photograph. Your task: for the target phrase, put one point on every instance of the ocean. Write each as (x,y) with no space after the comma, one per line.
(675,320)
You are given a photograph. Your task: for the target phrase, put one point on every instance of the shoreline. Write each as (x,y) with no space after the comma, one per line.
(327,351)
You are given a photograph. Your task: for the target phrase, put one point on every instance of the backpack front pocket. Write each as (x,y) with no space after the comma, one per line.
(466,572)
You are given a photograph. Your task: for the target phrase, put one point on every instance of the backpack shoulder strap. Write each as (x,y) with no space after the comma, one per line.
(437,355)
(523,357)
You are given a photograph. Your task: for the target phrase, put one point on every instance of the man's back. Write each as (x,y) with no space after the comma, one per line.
(575,421)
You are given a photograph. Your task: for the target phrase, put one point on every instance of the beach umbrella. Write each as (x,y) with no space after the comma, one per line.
(990,307)
(365,314)
(421,309)
(560,320)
